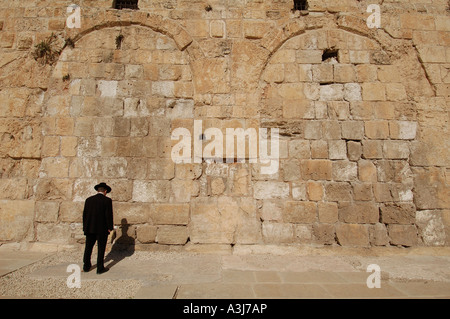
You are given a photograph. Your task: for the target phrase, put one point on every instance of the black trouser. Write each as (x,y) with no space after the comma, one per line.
(101,240)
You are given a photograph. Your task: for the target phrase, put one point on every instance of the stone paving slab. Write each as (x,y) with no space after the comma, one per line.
(424,289)
(159,291)
(13,260)
(218,290)
(230,276)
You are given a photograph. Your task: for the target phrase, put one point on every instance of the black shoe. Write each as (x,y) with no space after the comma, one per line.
(101,271)
(87,269)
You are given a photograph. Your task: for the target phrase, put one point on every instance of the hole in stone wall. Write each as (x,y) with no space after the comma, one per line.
(125,4)
(329,55)
(300,5)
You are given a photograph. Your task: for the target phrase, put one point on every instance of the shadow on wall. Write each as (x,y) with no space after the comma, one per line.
(124,245)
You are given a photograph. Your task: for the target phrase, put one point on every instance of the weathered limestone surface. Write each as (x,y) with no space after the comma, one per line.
(363,117)
(17,219)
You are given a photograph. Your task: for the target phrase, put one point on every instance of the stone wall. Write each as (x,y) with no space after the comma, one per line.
(363,116)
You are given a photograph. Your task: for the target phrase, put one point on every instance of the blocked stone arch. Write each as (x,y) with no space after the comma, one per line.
(107,116)
(92,21)
(346,109)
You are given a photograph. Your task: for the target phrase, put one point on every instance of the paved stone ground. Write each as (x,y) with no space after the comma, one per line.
(242,273)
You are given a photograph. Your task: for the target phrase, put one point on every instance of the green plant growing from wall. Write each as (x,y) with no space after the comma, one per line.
(45,52)
(119,40)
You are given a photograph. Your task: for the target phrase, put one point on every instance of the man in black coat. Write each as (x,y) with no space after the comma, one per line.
(97,223)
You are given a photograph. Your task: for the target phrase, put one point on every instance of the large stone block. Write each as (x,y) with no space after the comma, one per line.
(303,234)
(354,150)
(331,92)
(431,227)
(55,233)
(372,149)
(170,214)
(352,92)
(89,146)
(337,149)
(291,170)
(69,146)
(403,235)
(83,188)
(146,234)
(70,212)
(270,190)
(272,210)
(256,29)
(13,188)
(211,224)
(324,234)
(396,149)
(211,84)
(309,56)
(398,213)
(56,166)
(344,171)
(338,192)
(315,190)
(358,212)
(344,73)
(248,229)
(322,73)
(378,235)
(299,149)
(161,169)
(352,235)
(352,130)
(184,190)
(151,191)
(172,235)
(277,233)
(246,75)
(241,182)
(313,130)
(377,129)
(47,211)
(319,149)
(121,189)
(53,189)
(316,169)
(16,219)
(188,171)
(362,191)
(432,54)
(20,138)
(367,172)
(328,212)
(133,213)
(300,212)
(430,189)
(217,186)
(403,130)
(373,91)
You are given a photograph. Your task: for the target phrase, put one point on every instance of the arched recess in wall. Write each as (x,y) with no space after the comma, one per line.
(108,116)
(346,110)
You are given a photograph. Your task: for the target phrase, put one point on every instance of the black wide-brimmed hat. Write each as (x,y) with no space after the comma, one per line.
(108,189)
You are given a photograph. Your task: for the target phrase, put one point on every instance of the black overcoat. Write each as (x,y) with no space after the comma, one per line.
(97,215)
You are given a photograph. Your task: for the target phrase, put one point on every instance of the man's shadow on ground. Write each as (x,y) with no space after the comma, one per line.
(123,246)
